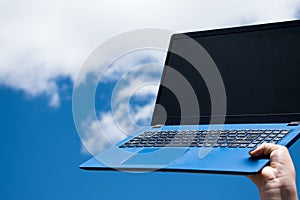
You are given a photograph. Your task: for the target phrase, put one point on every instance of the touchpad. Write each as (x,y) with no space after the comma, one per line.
(155,156)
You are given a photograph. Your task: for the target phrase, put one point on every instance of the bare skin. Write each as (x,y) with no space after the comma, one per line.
(278,180)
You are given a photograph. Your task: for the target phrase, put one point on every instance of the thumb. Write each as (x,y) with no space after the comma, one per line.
(264,150)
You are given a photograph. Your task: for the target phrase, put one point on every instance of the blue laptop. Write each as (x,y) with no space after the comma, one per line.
(222,93)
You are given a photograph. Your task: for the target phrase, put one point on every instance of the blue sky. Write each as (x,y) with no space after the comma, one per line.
(40,154)
(40,147)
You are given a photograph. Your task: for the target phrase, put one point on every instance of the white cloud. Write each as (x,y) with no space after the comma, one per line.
(114,126)
(43,40)
(139,84)
(142,113)
(125,63)
(96,138)
(101,134)
(132,103)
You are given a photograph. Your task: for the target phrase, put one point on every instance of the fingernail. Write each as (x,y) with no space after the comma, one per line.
(251,150)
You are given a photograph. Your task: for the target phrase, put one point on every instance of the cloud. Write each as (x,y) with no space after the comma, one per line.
(132,106)
(96,138)
(131,82)
(101,134)
(45,40)
(125,63)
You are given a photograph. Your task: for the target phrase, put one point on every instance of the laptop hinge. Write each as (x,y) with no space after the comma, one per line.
(296,123)
(157,126)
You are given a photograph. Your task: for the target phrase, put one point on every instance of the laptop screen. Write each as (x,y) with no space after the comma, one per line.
(260,69)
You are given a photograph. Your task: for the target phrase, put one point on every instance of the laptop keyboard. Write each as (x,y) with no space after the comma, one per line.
(249,138)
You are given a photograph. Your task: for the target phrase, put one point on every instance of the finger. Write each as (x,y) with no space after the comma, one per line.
(265,149)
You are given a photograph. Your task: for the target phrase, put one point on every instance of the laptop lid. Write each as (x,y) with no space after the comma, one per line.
(259,66)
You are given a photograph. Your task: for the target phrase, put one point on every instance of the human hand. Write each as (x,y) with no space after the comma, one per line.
(278,180)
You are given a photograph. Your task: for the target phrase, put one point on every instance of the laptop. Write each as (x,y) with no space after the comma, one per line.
(222,93)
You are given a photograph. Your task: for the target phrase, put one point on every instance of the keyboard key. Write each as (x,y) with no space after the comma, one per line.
(243,145)
(224,145)
(234,145)
(252,145)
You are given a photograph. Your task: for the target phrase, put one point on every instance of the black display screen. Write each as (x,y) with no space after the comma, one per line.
(260,68)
